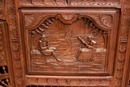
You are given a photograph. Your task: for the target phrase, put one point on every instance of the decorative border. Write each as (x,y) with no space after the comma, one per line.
(121,54)
(68,81)
(74,3)
(14,43)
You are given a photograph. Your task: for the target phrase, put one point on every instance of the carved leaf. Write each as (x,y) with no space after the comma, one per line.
(44,81)
(91,2)
(29,19)
(101,2)
(106,20)
(62,81)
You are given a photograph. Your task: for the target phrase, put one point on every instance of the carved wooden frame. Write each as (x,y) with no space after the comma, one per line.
(122,57)
(92,15)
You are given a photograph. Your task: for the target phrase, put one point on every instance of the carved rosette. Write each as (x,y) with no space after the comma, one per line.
(14,43)
(119,70)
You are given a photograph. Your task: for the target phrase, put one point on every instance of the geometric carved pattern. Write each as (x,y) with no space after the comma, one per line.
(68,82)
(63,3)
(119,71)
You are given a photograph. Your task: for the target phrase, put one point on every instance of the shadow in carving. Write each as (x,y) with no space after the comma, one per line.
(77,46)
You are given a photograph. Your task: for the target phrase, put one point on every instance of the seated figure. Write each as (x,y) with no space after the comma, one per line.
(45,49)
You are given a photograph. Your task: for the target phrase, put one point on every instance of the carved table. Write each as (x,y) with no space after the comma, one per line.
(77,43)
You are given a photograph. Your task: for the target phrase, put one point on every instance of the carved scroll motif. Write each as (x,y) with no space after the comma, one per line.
(80,3)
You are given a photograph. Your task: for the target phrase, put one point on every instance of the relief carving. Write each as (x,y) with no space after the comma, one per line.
(45,49)
(119,71)
(59,39)
(13,32)
(2,46)
(106,20)
(29,19)
(88,49)
(80,3)
(66,82)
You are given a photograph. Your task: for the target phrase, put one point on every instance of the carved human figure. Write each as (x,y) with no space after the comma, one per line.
(45,49)
(88,47)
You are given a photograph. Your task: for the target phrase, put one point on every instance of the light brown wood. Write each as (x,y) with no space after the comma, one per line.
(77,43)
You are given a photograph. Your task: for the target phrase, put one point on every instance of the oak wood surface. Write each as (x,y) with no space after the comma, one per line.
(53,43)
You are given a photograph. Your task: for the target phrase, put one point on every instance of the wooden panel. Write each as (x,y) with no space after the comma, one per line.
(77,43)
(33,22)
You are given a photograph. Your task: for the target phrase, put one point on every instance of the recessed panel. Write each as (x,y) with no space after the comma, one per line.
(69,43)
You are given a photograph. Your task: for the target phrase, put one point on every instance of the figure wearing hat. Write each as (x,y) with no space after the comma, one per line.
(45,49)
(88,46)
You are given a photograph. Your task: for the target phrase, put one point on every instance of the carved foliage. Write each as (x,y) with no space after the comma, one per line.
(2,9)
(81,3)
(68,82)
(2,46)
(14,43)
(4,78)
(123,44)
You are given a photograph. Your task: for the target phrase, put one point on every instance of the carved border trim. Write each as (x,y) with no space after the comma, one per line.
(2,45)
(14,43)
(74,3)
(121,54)
(46,81)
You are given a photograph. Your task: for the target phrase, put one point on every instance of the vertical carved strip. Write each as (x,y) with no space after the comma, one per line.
(2,47)
(123,44)
(13,32)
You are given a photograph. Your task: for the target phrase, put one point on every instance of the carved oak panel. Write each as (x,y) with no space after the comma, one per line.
(3,61)
(69,42)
